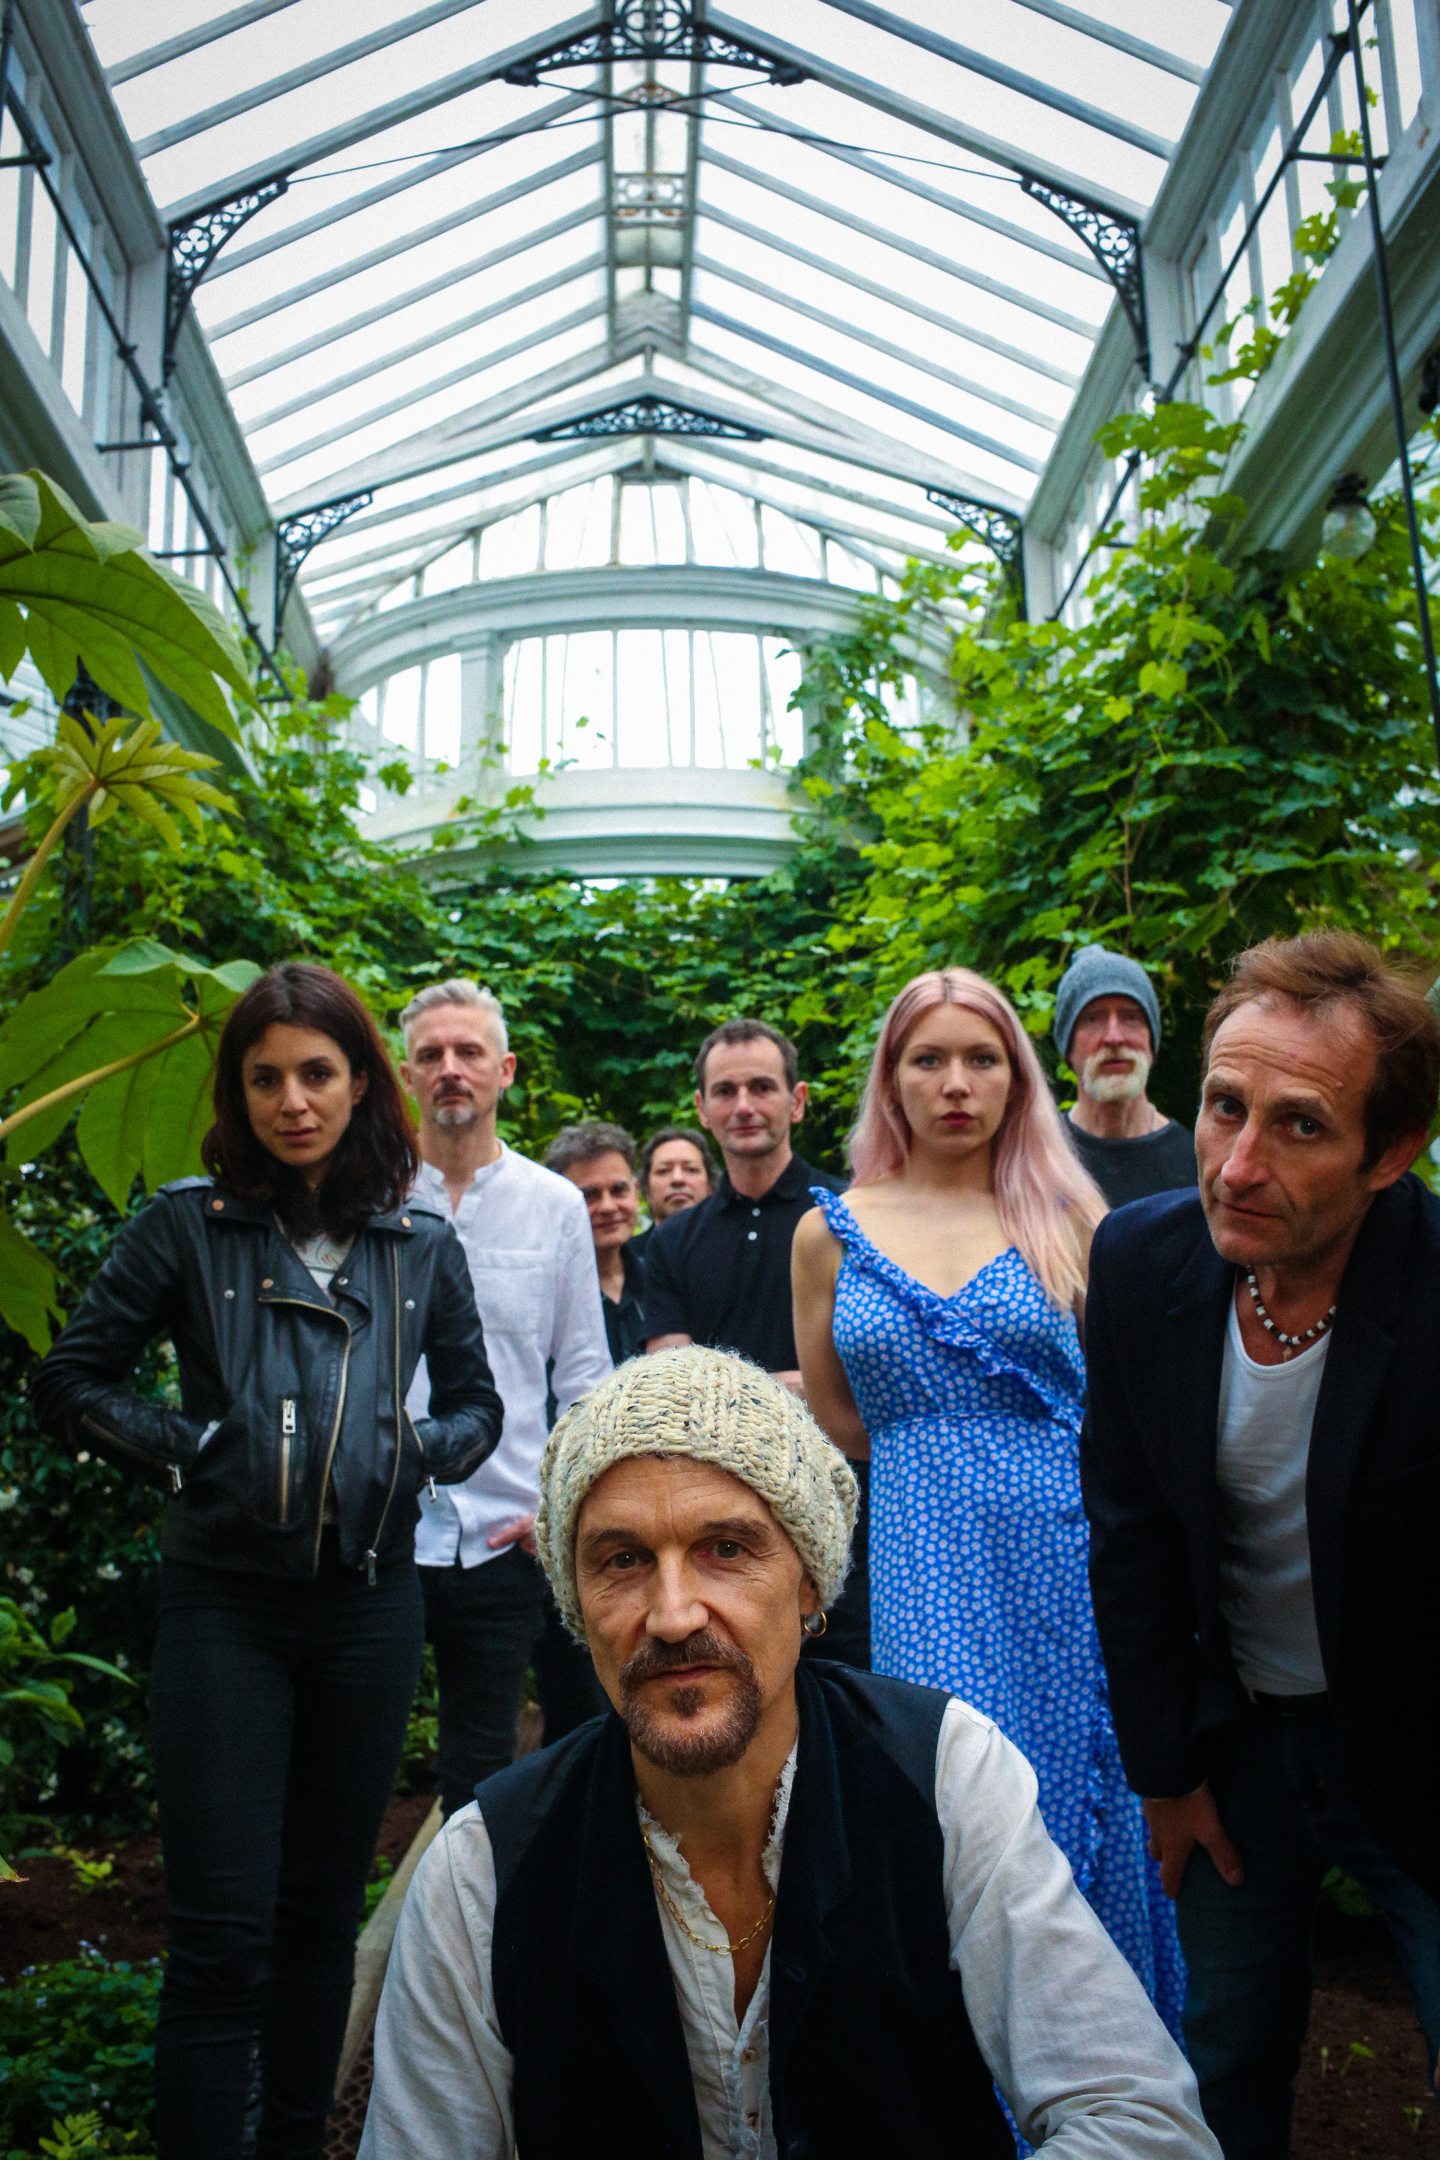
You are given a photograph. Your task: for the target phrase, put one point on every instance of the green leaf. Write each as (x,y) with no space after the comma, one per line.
(112,1128)
(28,1283)
(181,1112)
(88,593)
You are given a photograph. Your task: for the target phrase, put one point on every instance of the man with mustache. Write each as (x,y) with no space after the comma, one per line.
(1107,1030)
(1261,1469)
(526,1236)
(760,1907)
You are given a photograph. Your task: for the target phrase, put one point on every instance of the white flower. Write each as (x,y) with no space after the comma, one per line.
(108,1572)
(9,1495)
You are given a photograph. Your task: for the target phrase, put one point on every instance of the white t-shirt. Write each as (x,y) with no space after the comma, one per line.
(1266,1412)
(1064,2026)
(526,1236)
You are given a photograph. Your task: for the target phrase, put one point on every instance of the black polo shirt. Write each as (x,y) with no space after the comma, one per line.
(626,1328)
(719,1272)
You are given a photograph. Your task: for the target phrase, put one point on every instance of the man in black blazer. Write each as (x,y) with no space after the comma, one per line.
(1261,1466)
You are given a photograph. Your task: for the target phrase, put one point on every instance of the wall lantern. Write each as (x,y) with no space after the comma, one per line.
(1349,527)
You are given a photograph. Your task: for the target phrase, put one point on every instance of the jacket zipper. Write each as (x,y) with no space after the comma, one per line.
(307,1305)
(132,1448)
(373,1551)
(287,1436)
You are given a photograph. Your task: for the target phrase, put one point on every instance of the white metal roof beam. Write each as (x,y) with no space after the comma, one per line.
(876,291)
(744,455)
(297,78)
(1122,41)
(931,257)
(842,528)
(387,510)
(1007,452)
(877,344)
(334,331)
(469,370)
(188,41)
(401,244)
(862,336)
(237,258)
(592,464)
(383,362)
(374,122)
(512,417)
(930,121)
(1077,257)
(1008,78)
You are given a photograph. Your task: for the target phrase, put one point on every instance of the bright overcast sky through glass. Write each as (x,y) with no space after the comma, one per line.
(812,244)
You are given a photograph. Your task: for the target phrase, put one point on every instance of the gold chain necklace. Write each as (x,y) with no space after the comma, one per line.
(716,1949)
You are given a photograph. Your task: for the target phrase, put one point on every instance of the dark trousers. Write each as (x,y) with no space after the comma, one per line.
(278,1714)
(483,1622)
(847,1634)
(1285,1803)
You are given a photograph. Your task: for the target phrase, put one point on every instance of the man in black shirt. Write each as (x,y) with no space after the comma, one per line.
(1107,1030)
(719,1273)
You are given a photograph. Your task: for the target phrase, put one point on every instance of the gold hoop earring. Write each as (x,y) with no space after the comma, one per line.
(815,1624)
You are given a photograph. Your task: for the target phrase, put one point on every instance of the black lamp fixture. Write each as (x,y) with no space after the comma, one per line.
(1349,525)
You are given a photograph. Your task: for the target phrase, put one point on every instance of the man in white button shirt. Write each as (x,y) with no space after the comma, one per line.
(526,1235)
(1261,1465)
(764,1909)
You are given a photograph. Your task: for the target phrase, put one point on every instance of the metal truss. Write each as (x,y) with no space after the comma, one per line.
(295,536)
(1001,531)
(647,415)
(1113,239)
(651,31)
(194,244)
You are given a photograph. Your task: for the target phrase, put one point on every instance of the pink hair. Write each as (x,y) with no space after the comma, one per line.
(1046,1201)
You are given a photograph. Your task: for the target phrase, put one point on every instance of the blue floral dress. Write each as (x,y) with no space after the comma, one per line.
(978,1549)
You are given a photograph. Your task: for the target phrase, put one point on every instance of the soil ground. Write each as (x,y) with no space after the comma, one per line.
(1361,2094)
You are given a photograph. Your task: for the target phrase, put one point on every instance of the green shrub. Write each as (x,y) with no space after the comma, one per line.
(77,2040)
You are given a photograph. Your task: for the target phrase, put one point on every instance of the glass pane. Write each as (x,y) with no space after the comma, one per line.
(442,709)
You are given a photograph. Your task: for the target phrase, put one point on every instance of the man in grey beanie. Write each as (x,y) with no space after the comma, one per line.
(762,1907)
(1107,1030)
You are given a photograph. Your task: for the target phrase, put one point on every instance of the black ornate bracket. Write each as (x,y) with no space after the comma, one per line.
(646,415)
(194,244)
(1113,240)
(652,30)
(1000,530)
(295,536)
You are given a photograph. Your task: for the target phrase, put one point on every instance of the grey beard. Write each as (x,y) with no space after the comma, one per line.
(1116,1087)
(454,1117)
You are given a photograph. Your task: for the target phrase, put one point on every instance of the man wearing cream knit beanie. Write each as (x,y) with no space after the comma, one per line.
(766,1907)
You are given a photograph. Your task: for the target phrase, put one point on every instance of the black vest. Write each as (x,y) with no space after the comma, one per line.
(871,2051)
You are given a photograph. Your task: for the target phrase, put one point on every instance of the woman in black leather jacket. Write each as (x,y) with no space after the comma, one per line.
(300,1288)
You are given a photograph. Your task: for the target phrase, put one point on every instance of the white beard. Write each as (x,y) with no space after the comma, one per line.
(1115,1086)
(455,1116)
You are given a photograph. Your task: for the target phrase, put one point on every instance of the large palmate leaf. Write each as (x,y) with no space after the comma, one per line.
(133,1032)
(28,1300)
(76,591)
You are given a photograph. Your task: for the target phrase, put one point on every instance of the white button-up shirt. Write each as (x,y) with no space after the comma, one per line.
(526,1235)
(1064,2026)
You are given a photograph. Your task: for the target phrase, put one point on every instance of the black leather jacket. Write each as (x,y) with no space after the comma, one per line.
(284,1394)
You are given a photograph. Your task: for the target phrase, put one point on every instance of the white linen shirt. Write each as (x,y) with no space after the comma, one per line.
(526,1236)
(1064,2026)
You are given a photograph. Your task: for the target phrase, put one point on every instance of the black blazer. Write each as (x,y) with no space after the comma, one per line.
(1155,1333)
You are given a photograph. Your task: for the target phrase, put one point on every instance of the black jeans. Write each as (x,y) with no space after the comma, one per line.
(483,1622)
(278,1714)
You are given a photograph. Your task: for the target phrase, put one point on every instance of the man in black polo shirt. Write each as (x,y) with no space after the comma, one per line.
(718,1273)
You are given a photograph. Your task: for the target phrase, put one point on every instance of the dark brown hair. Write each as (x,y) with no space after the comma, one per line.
(692,1138)
(743,1031)
(1333,967)
(375,1163)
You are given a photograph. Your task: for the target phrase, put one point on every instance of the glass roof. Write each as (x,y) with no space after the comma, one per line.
(799,226)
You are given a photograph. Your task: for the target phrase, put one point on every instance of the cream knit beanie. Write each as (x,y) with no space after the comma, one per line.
(712,1408)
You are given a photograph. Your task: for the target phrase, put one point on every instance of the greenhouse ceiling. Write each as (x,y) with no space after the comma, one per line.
(853,254)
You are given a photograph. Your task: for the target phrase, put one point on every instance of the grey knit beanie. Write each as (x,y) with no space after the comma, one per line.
(1096,972)
(712,1408)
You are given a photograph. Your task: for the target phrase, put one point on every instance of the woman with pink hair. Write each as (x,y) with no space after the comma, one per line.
(936,1313)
